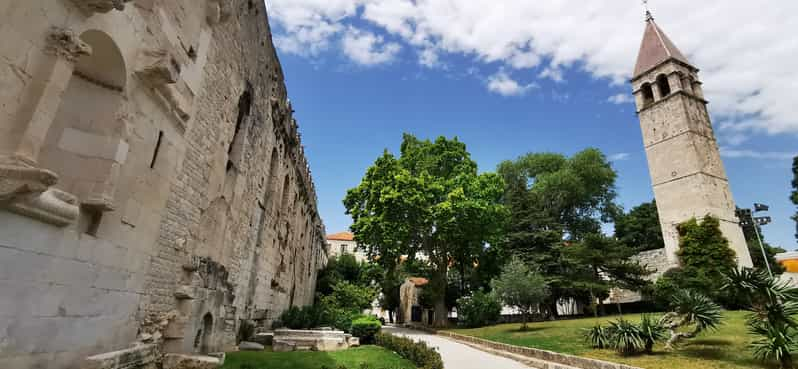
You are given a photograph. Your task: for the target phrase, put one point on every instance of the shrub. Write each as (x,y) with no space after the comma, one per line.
(423,356)
(303,318)
(651,331)
(598,336)
(365,327)
(625,337)
(479,309)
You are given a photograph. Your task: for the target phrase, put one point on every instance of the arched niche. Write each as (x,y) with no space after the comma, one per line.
(86,144)
(663,86)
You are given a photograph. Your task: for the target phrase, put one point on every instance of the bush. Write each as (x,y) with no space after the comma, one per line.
(306,317)
(625,337)
(479,309)
(598,336)
(365,327)
(419,353)
(651,331)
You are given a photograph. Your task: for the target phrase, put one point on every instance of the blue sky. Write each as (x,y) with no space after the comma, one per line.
(357,88)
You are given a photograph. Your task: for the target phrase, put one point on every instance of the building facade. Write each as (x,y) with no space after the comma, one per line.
(153,184)
(684,161)
(343,243)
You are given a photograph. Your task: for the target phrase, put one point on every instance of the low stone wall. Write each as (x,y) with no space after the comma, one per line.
(316,340)
(543,355)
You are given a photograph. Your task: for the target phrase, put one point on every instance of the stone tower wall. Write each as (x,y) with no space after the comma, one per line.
(686,170)
(153,185)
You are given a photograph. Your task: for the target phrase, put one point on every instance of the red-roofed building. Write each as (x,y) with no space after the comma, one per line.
(344,243)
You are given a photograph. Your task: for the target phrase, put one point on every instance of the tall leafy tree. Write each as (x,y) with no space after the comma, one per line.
(605,264)
(429,200)
(555,200)
(756,252)
(640,228)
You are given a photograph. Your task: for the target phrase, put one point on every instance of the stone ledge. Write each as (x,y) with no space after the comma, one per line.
(561,361)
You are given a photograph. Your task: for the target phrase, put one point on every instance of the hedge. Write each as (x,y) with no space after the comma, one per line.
(419,353)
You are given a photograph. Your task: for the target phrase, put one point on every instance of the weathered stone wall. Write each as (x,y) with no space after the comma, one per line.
(684,161)
(153,184)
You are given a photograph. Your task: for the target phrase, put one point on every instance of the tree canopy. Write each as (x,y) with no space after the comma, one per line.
(554,200)
(640,228)
(429,200)
(521,287)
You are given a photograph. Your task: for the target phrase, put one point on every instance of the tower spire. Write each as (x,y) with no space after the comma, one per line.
(649,17)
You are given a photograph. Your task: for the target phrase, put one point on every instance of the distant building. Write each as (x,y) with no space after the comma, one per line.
(344,243)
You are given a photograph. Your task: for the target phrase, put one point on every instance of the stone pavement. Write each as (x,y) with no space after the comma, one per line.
(456,355)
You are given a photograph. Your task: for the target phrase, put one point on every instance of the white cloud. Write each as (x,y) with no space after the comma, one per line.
(621,99)
(366,48)
(748,70)
(752,154)
(621,156)
(502,84)
(429,58)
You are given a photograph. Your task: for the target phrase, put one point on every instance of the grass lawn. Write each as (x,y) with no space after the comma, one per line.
(725,348)
(377,358)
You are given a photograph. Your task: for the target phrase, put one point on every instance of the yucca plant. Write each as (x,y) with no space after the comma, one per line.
(690,309)
(651,331)
(598,336)
(625,337)
(774,306)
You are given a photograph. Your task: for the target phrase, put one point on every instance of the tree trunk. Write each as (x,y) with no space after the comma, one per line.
(786,361)
(390,316)
(439,284)
(525,318)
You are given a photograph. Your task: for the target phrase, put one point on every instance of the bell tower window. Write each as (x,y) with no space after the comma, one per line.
(648,94)
(663,85)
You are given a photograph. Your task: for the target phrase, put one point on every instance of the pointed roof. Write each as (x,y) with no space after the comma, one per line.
(655,49)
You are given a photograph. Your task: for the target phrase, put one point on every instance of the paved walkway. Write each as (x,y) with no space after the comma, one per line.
(456,355)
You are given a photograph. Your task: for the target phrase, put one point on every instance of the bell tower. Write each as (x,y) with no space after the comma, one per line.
(684,161)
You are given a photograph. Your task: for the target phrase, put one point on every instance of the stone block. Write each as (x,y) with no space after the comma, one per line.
(185,293)
(250,346)
(283,346)
(177,361)
(353,341)
(264,338)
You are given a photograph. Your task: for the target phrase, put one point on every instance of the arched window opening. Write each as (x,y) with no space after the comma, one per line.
(88,133)
(244,108)
(663,86)
(286,195)
(648,94)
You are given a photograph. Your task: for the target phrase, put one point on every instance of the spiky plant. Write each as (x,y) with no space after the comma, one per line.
(774,306)
(598,336)
(690,309)
(625,337)
(652,331)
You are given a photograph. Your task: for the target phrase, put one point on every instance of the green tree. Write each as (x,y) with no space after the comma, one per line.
(605,263)
(640,228)
(554,200)
(705,255)
(429,200)
(774,306)
(521,287)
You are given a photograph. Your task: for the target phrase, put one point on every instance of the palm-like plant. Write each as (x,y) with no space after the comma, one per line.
(651,331)
(773,309)
(626,337)
(690,309)
(598,336)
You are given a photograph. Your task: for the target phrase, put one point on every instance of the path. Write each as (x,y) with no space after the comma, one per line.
(456,355)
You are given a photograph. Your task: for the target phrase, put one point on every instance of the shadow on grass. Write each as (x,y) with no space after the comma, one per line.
(712,342)
(527,330)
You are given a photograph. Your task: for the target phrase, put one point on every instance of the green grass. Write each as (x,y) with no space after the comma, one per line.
(376,357)
(726,348)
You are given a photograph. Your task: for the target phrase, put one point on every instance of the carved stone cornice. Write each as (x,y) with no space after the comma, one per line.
(17,181)
(100,6)
(66,44)
(52,206)
(161,72)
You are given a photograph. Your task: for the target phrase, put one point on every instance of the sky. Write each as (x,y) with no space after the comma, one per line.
(508,77)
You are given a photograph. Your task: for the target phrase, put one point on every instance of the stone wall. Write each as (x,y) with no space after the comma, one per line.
(153,184)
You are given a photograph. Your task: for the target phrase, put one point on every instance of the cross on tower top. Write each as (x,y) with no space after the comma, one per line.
(649,17)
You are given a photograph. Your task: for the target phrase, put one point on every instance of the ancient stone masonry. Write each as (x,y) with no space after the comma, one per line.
(154,191)
(684,161)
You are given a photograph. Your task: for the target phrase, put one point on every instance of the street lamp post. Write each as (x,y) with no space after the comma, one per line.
(747,219)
